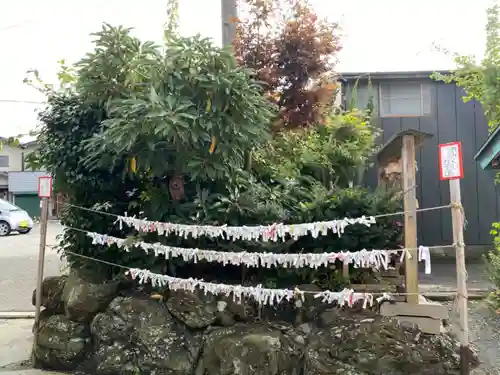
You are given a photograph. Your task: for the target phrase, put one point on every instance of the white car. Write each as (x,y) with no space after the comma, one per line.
(13,218)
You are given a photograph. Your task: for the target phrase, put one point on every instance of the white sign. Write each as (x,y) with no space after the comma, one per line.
(450,161)
(45,187)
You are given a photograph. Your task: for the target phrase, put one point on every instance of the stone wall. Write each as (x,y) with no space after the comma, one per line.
(115,328)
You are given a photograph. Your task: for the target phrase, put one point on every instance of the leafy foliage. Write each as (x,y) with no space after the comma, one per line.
(493,267)
(293,52)
(136,115)
(332,153)
(172,23)
(168,110)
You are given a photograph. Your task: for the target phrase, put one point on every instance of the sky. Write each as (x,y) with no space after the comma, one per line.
(382,35)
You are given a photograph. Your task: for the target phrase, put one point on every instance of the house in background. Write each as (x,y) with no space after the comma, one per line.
(412,100)
(18,184)
(488,156)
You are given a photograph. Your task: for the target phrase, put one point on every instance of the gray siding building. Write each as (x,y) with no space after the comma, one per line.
(23,189)
(407,100)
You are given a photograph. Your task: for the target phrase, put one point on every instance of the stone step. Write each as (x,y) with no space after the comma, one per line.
(427,325)
(390,273)
(425,309)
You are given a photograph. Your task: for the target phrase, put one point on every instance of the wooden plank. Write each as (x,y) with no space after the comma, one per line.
(427,309)
(345,271)
(410,228)
(373,288)
(427,325)
(390,273)
(41,261)
(414,123)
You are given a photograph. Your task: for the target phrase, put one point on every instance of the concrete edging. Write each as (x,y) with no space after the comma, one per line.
(474,296)
(17,314)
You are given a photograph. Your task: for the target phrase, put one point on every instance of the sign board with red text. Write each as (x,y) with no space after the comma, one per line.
(45,187)
(451,165)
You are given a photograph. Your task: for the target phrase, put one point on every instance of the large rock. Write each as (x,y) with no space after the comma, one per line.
(139,335)
(84,297)
(252,350)
(62,344)
(195,310)
(199,310)
(297,311)
(229,312)
(368,344)
(52,292)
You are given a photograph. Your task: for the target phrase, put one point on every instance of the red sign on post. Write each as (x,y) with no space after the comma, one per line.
(451,166)
(45,187)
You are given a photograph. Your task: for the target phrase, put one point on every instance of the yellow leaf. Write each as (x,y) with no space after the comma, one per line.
(209,105)
(133,165)
(157,297)
(213,144)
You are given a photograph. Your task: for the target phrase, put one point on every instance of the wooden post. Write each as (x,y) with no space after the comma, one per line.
(345,271)
(458,239)
(410,207)
(41,260)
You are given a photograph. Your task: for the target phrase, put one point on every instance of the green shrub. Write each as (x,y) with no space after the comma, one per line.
(331,153)
(164,111)
(493,267)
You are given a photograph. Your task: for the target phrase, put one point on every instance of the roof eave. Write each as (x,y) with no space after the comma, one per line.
(486,143)
(419,74)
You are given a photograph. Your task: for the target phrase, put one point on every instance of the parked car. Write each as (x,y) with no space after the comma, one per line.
(13,218)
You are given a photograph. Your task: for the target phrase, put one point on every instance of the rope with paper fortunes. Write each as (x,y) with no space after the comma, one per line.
(263,296)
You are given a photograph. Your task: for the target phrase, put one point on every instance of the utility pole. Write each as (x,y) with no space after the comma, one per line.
(229,12)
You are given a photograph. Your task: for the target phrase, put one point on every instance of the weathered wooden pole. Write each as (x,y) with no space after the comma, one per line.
(410,208)
(39,278)
(45,193)
(451,169)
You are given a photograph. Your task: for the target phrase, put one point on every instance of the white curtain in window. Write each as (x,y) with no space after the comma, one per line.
(405,99)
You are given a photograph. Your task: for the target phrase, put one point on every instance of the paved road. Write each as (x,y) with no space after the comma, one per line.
(18,267)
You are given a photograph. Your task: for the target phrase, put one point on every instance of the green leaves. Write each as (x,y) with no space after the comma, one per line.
(192,92)
(189,111)
(331,153)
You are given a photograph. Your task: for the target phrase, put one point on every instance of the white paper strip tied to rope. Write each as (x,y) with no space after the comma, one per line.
(273,232)
(424,255)
(364,258)
(263,296)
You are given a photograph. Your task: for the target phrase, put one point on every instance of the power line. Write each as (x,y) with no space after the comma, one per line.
(20,24)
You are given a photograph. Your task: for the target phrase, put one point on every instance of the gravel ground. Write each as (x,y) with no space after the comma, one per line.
(484,335)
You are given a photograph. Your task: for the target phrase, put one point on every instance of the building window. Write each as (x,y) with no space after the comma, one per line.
(4,161)
(405,99)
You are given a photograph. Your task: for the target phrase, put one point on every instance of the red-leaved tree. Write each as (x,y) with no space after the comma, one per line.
(293,53)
